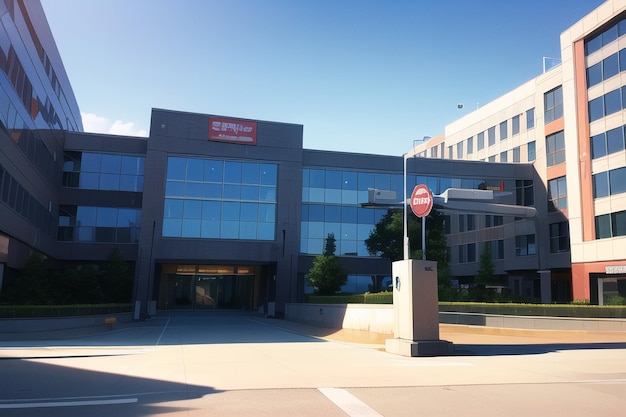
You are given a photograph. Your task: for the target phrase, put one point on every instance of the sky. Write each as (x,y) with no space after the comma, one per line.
(361,76)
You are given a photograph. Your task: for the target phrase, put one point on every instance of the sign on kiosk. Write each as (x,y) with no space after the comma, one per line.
(421,200)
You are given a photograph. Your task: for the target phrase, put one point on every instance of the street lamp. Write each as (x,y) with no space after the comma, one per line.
(406,226)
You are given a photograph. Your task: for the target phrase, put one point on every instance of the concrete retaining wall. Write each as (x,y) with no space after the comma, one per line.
(379,319)
(58,323)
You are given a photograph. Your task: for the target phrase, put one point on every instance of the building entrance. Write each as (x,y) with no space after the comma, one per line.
(208,287)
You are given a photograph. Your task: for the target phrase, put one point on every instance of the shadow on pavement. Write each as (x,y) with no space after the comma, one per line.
(529,349)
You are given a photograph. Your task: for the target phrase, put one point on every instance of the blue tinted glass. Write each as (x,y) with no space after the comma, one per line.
(249,212)
(194,189)
(305,177)
(316,213)
(594,74)
(230,211)
(132,165)
(90,162)
(332,214)
(316,195)
(363,231)
(213,170)
(621,27)
(128,183)
(617,179)
(348,214)
(106,217)
(334,228)
(191,228)
(348,247)
(250,192)
(250,173)
(86,216)
(600,185)
(530,118)
(603,226)
(615,140)
(172,227)
(592,45)
(267,213)
(333,179)
(210,229)
(229,230)
(232,172)
(349,197)
(175,168)
(266,231)
(383,181)
(86,234)
(316,178)
(598,146)
(305,213)
(622,60)
(609,35)
(348,231)
(332,195)
(531,151)
(192,209)
(127,218)
(613,102)
(247,230)
(232,192)
(596,109)
(267,194)
(610,67)
(174,189)
(365,216)
(89,181)
(212,190)
(349,180)
(173,209)
(111,164)
(211,210)
(366,180)
(195,170)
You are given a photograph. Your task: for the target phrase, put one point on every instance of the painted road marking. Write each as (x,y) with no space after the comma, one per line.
(350,404)
(79,403)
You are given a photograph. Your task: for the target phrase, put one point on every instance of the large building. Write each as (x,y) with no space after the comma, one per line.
(569,122)
(219,211)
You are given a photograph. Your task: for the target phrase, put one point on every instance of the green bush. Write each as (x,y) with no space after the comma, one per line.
(43,311)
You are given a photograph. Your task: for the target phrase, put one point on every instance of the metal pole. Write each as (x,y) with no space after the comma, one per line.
(424,238)
(406,231)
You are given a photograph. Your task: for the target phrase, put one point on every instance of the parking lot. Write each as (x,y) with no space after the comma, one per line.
(232,364)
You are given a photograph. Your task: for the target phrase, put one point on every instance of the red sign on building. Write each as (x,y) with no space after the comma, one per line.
(232,130)
(421,200)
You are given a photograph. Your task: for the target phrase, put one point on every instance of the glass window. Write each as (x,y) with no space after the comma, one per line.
(349,180)
(596,109)
(504,156)
(531,151)
(622,60)
(615,140)
(600,185)
(213,171)
(90,162)
(612,102)
(555,148)
(593,45)
(269,174)
(132,165)
(617,180)
(618,223)
(559,237)
(333,179)
(598,146)
(176,168)
(470,145)
(250,173)
(594,74)
(504,126)
(195,170)
(530,118)
(515,125)
(459,150)
(557,194)
(516,154)
(491,135)
(610,67)
(316,178)
(553,104)
(603,226)
(480,141)
(173,208)
(232,172)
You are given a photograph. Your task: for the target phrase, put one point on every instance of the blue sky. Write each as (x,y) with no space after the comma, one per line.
(361,76)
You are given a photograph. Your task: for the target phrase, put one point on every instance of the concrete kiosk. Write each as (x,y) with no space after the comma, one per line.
(416,310)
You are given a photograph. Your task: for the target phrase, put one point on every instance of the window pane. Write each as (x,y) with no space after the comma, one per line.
(175,168)
(610,67)
(90,162)
(213,171)
(195,170)
(603,226)
(617,180)
(618,221)
(250,173)
(612,102)
(598,146)
(106,217)
(596,109)
(268,174)
(232,172)
(615,140)
(530,118)
(594,74)
(173,209)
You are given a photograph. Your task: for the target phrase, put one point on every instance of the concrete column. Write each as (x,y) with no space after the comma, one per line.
(416,310)
(545,277)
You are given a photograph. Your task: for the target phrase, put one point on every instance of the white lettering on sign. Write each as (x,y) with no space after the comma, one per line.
(615,269)
(234,127)
(421,200)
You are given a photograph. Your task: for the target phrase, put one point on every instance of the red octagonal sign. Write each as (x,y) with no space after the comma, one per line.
(421,200)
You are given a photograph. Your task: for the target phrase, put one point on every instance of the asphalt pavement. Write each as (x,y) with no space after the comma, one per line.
(238,364)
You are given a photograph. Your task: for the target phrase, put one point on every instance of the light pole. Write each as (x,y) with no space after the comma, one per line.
(405,158)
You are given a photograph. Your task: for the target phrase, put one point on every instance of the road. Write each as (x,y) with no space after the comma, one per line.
(234,364)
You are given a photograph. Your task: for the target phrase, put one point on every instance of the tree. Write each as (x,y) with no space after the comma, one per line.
(117,279)
(486,267)
(327,274)
(386,240)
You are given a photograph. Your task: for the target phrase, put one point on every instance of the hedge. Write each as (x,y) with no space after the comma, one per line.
(32,311)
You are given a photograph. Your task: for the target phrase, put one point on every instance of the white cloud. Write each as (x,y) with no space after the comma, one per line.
(99,124)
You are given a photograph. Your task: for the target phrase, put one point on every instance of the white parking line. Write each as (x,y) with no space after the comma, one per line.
(350,404)
(68,403)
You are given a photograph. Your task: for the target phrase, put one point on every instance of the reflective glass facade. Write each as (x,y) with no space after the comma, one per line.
(96,171)
(210,198)
(98,224)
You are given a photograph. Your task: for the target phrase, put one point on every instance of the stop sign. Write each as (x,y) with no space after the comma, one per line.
(421,200)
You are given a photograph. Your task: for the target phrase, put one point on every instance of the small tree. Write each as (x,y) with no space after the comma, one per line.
(117,279)
(486,267)
(327,274)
